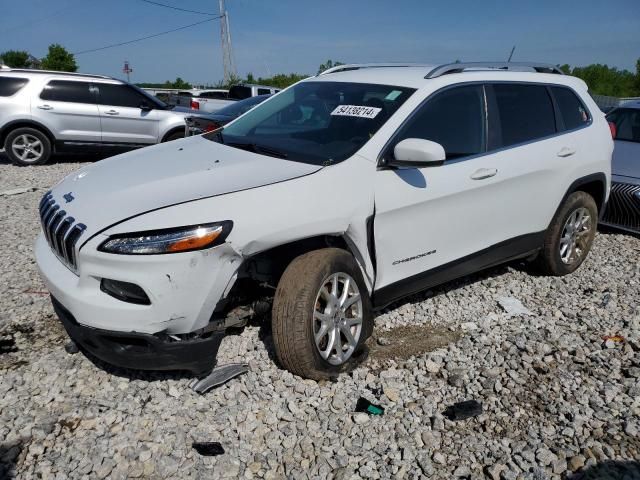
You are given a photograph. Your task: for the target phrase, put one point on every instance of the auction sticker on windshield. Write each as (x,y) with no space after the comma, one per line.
(356,111)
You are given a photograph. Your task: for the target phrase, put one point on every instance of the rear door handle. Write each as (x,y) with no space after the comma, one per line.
(111,112)
(566,152)
(45,107)
(483,173)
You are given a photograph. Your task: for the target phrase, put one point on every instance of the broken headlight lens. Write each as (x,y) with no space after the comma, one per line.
(170,240)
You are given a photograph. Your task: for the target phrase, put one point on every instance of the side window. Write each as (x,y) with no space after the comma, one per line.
(119,95)
(11,85)
(216,95)
(574,113)
(264,91)
(523,113)
(68,91)
(627,123)
(454,119)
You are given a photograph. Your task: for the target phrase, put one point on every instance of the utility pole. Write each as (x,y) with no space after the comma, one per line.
(127,69)
(511,54)
(228,63)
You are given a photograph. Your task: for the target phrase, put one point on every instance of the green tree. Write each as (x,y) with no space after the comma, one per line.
(16,58)
(637,80)
(59,59)
(329,64)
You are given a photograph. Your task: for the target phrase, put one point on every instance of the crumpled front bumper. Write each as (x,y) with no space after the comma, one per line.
(142,351)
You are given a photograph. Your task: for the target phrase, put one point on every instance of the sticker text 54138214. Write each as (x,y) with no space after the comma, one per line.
(356,111)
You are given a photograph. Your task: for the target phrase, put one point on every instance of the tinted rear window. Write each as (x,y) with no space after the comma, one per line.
(264,91)
(525,113)
(11,85)
(574,113)
(119,95)
(68,91)
(627,121)
(240,92)
(217,95)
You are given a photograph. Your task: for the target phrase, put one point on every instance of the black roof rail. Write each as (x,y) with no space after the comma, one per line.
(501,66)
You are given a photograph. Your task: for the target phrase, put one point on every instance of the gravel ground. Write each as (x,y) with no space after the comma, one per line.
(559,379)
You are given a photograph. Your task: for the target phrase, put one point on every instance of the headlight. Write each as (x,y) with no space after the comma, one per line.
(170,240)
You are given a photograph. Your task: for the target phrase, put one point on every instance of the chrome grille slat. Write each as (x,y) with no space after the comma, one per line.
(623,208)
(61,231)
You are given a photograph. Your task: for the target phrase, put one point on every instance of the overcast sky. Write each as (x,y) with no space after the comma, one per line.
(282,36)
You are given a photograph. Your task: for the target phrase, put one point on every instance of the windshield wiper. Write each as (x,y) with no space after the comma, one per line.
(252,147)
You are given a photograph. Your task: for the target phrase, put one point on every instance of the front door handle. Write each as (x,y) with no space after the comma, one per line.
(566,152)
(111,112)
(45,107)
(483,173)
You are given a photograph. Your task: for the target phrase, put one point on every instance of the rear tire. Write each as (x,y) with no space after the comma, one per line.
(570,235)
(27,146)
(316,331)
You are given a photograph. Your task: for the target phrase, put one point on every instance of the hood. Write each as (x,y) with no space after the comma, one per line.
(124,186)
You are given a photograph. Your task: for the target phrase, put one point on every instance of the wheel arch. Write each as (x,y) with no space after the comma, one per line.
(171,132)
(595,185)
(267,266)
(11,126)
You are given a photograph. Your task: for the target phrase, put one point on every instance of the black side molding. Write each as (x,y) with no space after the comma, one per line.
(518,247)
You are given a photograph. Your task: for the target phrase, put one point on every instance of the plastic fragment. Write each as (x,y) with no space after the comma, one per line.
(208,449)
(218,376)
(513,307)
(364,405)
(463,410)
(613,338)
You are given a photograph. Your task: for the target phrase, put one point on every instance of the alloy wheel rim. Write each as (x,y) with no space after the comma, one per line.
(337,318)
(28,148)
(575,236)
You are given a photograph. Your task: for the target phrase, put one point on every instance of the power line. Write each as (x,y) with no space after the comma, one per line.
(178,8)
(148,36)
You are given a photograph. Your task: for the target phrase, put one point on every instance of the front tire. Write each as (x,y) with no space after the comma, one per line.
(27,146)
(569,238)
(321,314)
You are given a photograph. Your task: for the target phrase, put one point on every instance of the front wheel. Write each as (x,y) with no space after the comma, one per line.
(321,314)
(570,235)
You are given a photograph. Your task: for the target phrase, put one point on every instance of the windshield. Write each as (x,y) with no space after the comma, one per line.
(156,101)
(315,122)
(241,106)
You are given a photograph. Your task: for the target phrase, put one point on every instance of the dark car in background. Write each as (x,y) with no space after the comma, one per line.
(197,124)
(623,209)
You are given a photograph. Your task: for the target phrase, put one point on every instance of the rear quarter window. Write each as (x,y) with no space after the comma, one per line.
(572,111)
(11,85)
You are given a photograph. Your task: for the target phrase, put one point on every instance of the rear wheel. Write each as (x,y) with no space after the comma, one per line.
(570,235)
(27,146)
(321,314)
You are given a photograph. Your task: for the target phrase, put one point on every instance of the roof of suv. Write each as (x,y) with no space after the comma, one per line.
(418,75)
(30,71)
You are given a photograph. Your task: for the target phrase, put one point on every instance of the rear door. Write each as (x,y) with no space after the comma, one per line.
(68,108)
(123,119)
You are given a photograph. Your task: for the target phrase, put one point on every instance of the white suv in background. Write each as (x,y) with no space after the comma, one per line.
(43,112)
(333,198)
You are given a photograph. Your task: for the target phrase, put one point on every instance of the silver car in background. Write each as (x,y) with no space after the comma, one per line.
(44,112)
(623,209)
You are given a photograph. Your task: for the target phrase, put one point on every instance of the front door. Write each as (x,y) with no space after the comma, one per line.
(123,121)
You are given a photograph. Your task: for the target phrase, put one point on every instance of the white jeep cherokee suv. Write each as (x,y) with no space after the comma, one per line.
(333,198)
(43,112)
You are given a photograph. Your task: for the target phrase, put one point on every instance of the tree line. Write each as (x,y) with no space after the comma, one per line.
(601,79)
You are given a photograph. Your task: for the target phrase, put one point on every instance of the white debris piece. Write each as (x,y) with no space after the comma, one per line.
(513,307)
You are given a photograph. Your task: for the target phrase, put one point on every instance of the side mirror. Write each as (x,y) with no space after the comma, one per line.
(145,107)
(417,152)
